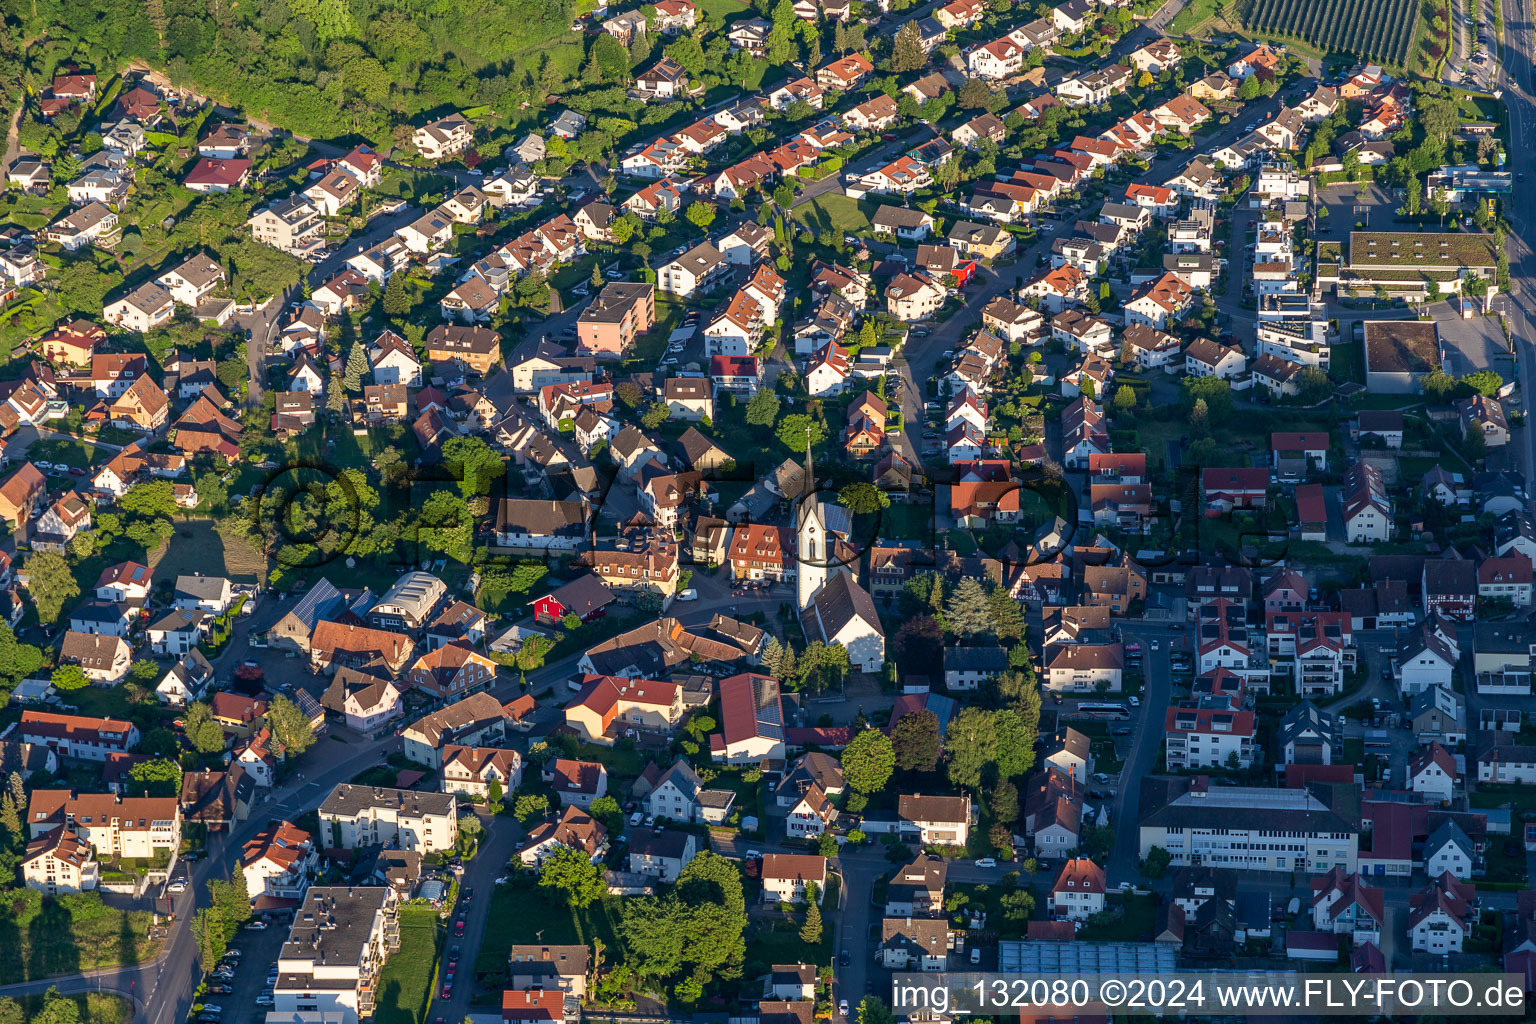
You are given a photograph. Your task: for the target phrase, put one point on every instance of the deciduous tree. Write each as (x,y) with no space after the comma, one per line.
(570,871)
(915,741)
(862,497)
(796,429)
(762,408)
(291,728)
(971,743)
(868,760)
(201,730)
(1015,743)
(69,677)
(50,582)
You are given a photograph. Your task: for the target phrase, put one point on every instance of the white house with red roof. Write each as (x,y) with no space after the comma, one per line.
(1294,453)
(742,375)
(277,865)
(80,737)
(1342,904)
(1432,772)
(1204,736)
(125,583)
(1159,303)
(826,373)
(1506,577)
(1058,288)
(1441,917)
(1162,201)
(576,783)
(902,176)
(533,1006)
(1078,892)
(363,164)
(210,175)
(609,706)
(785,876)
(811,815)
(1001,58)
(751,721)
(1227,488)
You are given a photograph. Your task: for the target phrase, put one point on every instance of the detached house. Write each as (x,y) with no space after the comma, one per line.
(1160,303)
(939,820)
(785,877)
(443,138)
(1078,892)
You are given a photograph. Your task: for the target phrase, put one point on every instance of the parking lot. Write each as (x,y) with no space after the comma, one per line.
(244,980)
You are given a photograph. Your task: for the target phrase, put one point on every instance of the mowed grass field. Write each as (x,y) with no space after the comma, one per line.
(405,984)
(199,547)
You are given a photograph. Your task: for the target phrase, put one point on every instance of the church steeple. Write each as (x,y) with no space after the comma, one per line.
(811,540)
(810,469)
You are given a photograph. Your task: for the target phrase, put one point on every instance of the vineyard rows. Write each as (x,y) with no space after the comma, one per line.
(1379,30)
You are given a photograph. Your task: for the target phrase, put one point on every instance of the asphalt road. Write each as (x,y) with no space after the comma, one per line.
(1146,743)
(1515,76)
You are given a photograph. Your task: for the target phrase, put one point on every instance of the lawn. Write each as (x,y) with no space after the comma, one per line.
(1490,794)
(405,984)
(1347,361)
(778,941)
(907,521)
(1136,917)
(43,938)
(989,899)
(1194,15)
(621,762)
(1504,860)
(522,912)
(720,10)
(835,212)
(1154,435)
(200,547)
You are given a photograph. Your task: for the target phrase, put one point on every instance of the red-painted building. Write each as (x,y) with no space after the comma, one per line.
(585,597)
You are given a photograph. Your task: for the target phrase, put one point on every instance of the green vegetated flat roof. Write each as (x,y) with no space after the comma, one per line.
(1428,249)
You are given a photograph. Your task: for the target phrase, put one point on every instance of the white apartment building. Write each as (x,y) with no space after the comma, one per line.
(329,967)
(372,815)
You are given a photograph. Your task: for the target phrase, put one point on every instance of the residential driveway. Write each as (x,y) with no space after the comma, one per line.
(860,869)
(500,843)
(379,229)
(1141,760)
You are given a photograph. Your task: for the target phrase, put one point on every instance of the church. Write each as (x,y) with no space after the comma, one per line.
(833,607)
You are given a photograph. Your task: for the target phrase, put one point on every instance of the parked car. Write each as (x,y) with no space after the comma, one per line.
(256,926)
(688,594)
